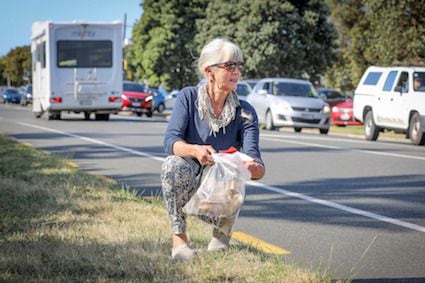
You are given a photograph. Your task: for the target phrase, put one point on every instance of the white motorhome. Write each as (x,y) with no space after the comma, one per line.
(77,67)
(392,98)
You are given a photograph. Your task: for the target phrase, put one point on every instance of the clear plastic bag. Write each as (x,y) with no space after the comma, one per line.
(222,190)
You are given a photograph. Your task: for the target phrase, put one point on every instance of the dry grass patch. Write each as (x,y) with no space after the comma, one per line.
(58,224)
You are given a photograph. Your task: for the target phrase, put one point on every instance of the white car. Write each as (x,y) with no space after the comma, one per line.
(283,102)
(392,98)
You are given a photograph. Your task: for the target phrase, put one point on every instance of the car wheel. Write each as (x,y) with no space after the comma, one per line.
(149,114)
(269,121)
(101,117)
(160,108)
(298,130)
(139,114)
(417,136)
(371,131)
(324,131)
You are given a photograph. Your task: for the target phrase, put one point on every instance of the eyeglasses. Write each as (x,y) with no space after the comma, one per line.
(230,66)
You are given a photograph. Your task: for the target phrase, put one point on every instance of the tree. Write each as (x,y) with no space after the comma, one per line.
(17,65)
(163,49)
(375,32)
(278,38)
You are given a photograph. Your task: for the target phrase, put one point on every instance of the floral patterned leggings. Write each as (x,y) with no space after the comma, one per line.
(179,177)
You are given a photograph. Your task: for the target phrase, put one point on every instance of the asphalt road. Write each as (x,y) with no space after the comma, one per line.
(352,208)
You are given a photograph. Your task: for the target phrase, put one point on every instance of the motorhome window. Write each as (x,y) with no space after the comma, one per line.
(84,54)
(43,54)
(390,81)
(372,78)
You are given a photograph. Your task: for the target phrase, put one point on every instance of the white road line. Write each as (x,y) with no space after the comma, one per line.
(135,152)
(340,207)
(347,149)
(252,183)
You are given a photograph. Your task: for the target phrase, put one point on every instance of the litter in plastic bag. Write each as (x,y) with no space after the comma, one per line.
(222,190)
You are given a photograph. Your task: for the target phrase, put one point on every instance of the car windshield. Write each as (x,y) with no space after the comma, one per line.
(295,89)
(134,87)
(243,90)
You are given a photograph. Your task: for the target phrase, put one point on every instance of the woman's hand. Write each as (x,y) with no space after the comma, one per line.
(203,154)
(257,169)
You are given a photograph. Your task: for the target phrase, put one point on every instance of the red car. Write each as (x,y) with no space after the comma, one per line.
(137,99)
(342,114)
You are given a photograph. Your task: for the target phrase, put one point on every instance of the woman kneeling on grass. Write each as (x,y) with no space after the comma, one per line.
(207,119)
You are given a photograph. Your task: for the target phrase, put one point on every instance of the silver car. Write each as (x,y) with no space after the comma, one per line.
(282,102)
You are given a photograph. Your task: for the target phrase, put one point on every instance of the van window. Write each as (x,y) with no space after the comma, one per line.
(419,81)
(372,78)
(402,84)
(84,54)
(390,81)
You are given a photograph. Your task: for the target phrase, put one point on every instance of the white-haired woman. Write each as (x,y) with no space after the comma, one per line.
(206,119)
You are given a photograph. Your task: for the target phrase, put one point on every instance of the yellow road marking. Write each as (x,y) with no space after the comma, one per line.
(258,244)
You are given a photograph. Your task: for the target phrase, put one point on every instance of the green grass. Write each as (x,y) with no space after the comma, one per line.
(59,224)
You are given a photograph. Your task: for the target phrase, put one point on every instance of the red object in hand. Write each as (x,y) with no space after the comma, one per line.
(231,149)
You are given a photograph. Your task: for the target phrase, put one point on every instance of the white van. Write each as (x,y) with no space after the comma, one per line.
(77,67)
(392,98)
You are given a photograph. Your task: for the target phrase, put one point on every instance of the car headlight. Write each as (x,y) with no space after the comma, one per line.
(149,98)
(284,106)
(335,109)
(326,109)
(124,97)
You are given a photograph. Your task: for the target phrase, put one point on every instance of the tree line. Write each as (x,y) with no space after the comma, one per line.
(329,40)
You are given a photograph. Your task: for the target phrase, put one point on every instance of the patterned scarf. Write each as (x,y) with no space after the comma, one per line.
(206,111)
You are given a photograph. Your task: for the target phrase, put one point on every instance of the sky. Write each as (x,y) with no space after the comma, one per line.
(17,16)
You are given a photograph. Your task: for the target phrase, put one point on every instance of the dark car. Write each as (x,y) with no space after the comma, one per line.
(331,96)
(11,95)
(137,99)
(342,114)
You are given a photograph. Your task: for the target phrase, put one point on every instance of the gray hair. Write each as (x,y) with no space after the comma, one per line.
(217,51)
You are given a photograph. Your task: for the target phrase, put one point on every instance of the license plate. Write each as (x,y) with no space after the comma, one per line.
(86,102)
(136,104)
(345,117)
(307,116)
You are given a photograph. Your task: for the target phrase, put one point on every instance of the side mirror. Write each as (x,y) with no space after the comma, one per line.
(323,96)
(262,92)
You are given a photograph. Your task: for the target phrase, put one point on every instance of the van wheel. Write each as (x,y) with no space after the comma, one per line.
(269,121)
(86,115)
(298,130)
(324,131)
(371,131)
(417,136)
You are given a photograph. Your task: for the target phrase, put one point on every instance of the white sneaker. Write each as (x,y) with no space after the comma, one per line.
(219,241)
(183,252)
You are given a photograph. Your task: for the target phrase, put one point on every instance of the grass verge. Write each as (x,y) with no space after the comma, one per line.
(59,224)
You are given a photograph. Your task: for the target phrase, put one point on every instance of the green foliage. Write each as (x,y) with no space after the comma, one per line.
(163,47)
(16,64)
(278,38)
(375,32)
